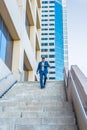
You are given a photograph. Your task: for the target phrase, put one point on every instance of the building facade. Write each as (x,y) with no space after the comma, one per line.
(65,35)
(48,35)
(20,37)
(53,37)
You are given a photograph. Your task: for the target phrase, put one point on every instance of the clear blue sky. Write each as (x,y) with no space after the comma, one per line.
(77,33)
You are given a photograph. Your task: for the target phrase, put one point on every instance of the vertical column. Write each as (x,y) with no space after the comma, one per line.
(16,59)
(31,76)
(33,38)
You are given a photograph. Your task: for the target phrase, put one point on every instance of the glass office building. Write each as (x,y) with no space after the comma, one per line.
(65,39)
(52,37)
(59,49)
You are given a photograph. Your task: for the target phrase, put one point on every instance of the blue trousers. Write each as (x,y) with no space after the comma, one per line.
(43,78)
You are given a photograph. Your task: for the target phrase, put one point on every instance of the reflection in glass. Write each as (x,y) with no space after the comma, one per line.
(6,45)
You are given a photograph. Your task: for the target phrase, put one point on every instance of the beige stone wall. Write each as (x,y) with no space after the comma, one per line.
(76,89)
(26,50)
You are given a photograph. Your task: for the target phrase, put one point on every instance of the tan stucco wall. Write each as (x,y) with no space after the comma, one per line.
(14,13)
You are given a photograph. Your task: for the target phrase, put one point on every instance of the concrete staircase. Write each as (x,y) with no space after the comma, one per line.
(27,107)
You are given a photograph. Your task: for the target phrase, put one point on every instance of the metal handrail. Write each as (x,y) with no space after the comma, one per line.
(5,77)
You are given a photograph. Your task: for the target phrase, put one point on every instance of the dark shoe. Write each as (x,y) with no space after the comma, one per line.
(42,87)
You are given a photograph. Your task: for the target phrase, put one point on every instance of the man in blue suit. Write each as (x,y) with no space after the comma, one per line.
(43,70)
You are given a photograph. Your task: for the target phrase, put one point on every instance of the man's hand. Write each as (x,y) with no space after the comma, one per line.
(36,72)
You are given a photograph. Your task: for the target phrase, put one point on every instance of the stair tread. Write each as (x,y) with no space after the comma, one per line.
(46,127)
(19,114)
(43,121)
(26,106)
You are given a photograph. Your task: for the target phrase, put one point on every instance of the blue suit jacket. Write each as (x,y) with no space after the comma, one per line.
(46,65)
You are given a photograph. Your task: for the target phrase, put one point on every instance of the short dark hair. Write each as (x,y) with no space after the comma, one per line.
(43,57)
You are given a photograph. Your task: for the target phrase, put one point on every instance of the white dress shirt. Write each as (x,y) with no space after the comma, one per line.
(43,66)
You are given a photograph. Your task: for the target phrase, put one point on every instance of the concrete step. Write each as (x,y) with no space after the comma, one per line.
(28,114)
(45,127)
(46,121)
(4,127)
(23,92)
(45,99)
(37,84)
(11,126)
(40,92)
(10,114)
(49,114)
(40,121)
(34,109)
(27,107)
(36,104)
(29,98)
(34,86)
(33,101)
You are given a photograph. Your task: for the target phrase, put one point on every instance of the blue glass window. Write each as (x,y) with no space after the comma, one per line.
(46,56)
(51,2)
(44,33)
(44,2)
(51,28)
(44,29)
(51,6)
(52,78)
(44,6)
(44,20)
(44,24)
(51,61)
(51,72)
(51,24)
(44,44)
(44,15)
(51,15)
(44,11)
(51,10)
(44,38)
(51,38)
(51,20)
(6,45)
(51,34)
(51,56)
(3,47)
(52,50)
(52,67)
(51,44)
(44,50)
